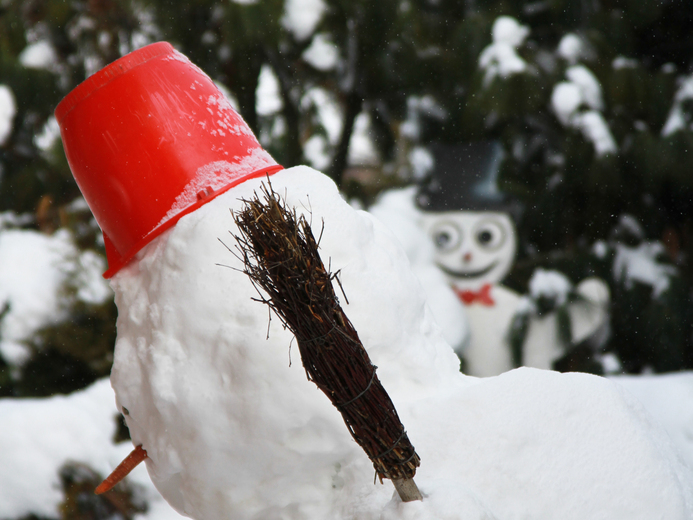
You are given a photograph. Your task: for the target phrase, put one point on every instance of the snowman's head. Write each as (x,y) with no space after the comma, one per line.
(472,248)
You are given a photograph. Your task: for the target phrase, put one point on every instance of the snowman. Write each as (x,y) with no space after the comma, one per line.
(216,402)
(471,224)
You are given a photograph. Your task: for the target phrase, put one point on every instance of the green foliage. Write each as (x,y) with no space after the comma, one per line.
(72,354)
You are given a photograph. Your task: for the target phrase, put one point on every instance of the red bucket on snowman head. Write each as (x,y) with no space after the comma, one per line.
(150,138)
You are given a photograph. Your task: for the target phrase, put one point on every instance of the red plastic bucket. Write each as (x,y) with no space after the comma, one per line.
(150,138)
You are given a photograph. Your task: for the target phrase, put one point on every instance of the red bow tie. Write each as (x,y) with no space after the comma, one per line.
(482,296)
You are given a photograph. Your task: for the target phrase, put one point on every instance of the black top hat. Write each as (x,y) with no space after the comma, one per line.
(464,177)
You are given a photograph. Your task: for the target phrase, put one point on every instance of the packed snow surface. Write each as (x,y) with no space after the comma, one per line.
(39,436)
(233,428)
(668,398)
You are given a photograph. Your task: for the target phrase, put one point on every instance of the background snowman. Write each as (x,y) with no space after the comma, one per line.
(472,226)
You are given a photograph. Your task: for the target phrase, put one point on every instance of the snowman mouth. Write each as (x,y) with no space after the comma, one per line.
(469,274)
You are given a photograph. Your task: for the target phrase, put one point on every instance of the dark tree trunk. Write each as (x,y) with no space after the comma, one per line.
(243,71)
(339,162)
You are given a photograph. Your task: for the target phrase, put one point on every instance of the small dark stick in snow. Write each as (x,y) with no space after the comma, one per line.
(124,468)
(280,255)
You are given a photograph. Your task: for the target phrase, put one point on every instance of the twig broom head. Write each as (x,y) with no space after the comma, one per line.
(280,255)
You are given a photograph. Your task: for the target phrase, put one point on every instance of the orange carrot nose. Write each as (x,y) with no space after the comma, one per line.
(131,461)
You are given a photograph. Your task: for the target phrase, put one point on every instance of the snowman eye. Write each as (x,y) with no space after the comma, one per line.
(490,235)
(446,236)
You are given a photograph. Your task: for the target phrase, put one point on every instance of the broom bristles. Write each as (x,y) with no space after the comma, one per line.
(280,255)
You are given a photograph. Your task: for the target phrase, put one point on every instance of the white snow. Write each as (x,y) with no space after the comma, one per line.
(500,58)
(422,162)
(600,249)
(301,17)
(268,96)
(550,284)
(640,264)
(590,89)
(507,29)
(578,103)
(612,365)
(566,98)
(328,111)
(418,106)
(232,430)
(668,399)
(629,224)
(362,150)
(316,152)
(86,274)
(571,48)
(40,435)
(8,109)
(677,120)
(216,175)
(593,126)
(621,62)
(322,53)
(48,135)
(38,55)
(228,95)
(328,116)
(34,268)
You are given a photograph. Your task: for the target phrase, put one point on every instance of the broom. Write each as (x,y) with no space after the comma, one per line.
(280,256)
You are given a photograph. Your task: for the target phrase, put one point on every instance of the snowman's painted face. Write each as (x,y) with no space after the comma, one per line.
(472,248)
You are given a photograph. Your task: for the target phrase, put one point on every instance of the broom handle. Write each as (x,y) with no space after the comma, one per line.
(407,489)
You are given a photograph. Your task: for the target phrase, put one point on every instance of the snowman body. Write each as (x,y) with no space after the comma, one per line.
(229,421)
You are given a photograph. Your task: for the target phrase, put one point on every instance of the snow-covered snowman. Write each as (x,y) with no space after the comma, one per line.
(229,426)
(472,226)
